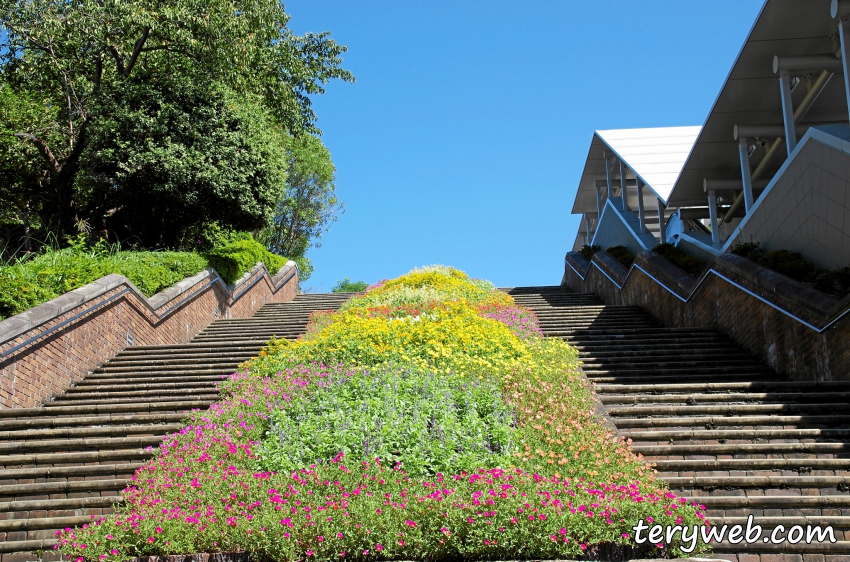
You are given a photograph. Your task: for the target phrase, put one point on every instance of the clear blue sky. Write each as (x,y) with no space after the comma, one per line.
(463,140)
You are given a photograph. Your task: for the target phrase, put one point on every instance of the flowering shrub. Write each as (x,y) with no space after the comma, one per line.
(395,430)
(521,321)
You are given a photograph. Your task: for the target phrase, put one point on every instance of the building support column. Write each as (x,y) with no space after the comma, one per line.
(746,174)
(844,34)
(712,217)
(608,165)
(623,192)
(641,214)
(661,234)
(598,204)
(787,111)
(587,229)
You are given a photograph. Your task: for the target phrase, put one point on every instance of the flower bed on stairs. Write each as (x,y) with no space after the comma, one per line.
(427,419)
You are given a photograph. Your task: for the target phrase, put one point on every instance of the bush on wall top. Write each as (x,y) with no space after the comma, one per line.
(240,255)
(28,283)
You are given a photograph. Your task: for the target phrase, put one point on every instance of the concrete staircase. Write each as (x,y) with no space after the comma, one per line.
(721,428)
(68,460)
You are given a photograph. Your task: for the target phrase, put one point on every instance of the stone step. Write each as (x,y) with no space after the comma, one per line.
(674,377)
(165,375)
(133,354)
(759,502)
(689,364)
(698,465)
(75,457)
(76,486)
(739,482)
(591,342)
(104,396)
(833,552)
(77,421)
(10,474)
(727,410)
(703,449)
(672,371)
(715,434)
(63,503)
(208,396)
(79,444)
(749,421)
(173,370)
(76,432)
(134,384)
(724,387)
(716,398)
(50,409)
(176,363)
(37,524)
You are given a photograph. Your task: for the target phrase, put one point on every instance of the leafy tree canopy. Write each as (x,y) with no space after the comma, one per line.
(78,63)
(166,157)
(309,203)
(348,286)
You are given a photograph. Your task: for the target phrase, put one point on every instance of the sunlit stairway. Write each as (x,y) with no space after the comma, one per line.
(721,428)
(70,459)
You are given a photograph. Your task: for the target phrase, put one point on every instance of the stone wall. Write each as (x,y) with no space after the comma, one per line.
(53,345)
(792,328)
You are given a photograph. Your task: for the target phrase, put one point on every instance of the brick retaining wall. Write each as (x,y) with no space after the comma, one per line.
(52,345)
(792,328)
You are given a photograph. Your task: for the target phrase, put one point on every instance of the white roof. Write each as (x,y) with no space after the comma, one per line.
(657,155)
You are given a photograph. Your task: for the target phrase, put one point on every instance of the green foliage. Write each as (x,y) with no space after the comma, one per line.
(240,255)
(430,423)
(750,250)
(28,283)
(81,61)
(308,203)
(348,286)
(621,254)
(588,251)
(167,157)
(835,282)
(687,263)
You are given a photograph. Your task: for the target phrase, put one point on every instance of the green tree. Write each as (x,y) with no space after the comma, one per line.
(22,177)
(79,55)
(348,286)
(166,157)
(309,202)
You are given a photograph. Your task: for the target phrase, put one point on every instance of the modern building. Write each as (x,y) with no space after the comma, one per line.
(771,163)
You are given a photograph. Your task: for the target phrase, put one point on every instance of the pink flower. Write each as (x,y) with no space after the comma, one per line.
(379,548)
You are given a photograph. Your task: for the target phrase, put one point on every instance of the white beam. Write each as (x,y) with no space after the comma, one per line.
(712,216)
(598,203)
(746,174)
(844,34)
(787,111)
(641,214)
(661,234)
(625,206)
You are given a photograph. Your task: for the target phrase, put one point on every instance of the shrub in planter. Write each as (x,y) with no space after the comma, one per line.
(687,263)
(622,255)
(835,282)
(588,251)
